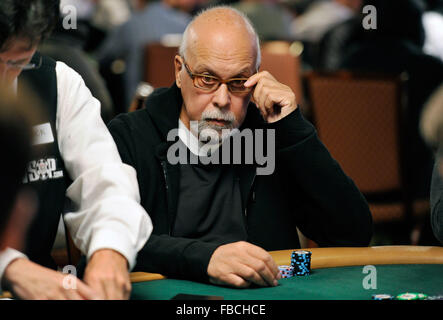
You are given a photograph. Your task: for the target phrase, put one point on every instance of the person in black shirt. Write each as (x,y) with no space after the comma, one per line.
(431,129)
(216,222)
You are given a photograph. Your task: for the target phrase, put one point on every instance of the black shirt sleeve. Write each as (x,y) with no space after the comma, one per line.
(176,257)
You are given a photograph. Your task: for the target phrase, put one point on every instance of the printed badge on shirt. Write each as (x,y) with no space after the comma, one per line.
(42,170)
(42,134)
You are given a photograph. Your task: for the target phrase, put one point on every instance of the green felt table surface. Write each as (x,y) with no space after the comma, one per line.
(338,283)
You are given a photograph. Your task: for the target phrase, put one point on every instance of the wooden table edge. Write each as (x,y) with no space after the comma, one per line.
(339,257)
(345,256)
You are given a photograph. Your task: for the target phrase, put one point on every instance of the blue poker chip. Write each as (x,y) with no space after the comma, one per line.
(301,261)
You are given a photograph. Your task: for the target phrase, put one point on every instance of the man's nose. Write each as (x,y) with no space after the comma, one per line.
(222,98)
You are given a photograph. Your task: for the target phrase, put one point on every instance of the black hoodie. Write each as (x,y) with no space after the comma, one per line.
(307,190)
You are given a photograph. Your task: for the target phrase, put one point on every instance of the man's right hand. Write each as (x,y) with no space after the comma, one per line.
(239,264)
(28,280)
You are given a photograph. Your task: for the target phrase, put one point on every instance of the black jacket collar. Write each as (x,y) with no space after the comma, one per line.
(164,106)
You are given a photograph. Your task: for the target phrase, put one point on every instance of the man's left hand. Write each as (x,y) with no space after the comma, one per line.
(274,99)
(107,273)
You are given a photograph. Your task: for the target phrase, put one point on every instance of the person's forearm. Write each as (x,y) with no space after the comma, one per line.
(6,258)
(176,257)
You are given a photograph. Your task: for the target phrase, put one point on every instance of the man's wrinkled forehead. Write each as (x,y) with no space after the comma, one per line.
(221,44)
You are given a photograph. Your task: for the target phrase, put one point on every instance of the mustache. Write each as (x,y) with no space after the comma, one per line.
(216,114)
(217,133)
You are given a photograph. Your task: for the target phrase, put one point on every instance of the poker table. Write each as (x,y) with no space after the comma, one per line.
(336,274)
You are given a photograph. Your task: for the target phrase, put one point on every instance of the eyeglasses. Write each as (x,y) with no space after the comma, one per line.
(210,83)
(28,66)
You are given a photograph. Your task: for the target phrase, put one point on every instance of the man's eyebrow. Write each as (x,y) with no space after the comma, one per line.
(204,68)
(244,73)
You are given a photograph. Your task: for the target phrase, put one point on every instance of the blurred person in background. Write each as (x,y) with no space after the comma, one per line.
(77,158)
(17,205)
(110,14)
(298,7)
(329,51)
(393,47)
(335,42)
(127,42)
(310,26)
(321,16)
(104,14)
(433,25)
(431,125)
(271,20)
(69,45)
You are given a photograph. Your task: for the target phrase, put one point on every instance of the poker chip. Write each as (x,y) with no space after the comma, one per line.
(301,262)
(407,296)
(286,271)
(422,296)
(382,296)
(412,296)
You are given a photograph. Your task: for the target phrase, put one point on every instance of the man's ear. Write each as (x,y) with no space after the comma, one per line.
(22,212)
(178,64)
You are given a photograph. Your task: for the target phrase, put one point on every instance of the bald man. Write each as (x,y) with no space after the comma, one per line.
(216,222)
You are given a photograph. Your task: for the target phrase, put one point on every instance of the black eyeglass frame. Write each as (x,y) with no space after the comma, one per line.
(219,81)
(24,67)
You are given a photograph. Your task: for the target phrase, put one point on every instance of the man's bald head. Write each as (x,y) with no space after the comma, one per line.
(222,28)
(219,43)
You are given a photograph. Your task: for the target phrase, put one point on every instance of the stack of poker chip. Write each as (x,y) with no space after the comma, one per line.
(286,271)
(301,262)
